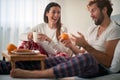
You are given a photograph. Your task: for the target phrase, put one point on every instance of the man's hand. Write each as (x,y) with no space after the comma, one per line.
(79,40)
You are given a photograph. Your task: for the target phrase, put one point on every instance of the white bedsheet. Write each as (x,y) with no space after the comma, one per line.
(7,77)
(107,77)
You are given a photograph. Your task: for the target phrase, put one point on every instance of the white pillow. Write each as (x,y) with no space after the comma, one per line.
(115,65)
(116,18)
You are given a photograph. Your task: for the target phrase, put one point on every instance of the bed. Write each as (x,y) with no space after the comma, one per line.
(106,77)
(116,76)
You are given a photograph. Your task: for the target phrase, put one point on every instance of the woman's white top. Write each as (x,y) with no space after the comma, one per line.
(54,46)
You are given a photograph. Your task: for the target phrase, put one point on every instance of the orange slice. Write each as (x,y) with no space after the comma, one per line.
(64,36)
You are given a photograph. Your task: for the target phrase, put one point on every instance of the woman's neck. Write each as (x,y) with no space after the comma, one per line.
(52,25)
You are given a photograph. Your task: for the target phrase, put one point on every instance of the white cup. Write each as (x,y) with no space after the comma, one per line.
(35,37)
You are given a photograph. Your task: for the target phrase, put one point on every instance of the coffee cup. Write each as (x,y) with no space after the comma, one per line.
(35,37)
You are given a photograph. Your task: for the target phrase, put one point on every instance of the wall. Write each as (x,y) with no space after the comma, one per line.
(76,17)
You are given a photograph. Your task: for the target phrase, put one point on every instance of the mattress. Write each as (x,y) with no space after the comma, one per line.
(106,77)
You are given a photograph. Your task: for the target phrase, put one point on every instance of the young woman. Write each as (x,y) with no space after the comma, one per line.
(49,31)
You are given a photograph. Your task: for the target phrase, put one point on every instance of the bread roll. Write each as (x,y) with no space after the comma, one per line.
(22,50)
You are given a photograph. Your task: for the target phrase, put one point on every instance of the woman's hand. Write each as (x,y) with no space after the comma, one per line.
(70,44)
(43,37)
(30,36)
(66,42)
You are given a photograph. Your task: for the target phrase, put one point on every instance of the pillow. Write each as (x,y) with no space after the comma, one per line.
(115,65)
(116,18)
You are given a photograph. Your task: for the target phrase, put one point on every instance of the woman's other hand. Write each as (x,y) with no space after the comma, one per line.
(30,36)
(43,37)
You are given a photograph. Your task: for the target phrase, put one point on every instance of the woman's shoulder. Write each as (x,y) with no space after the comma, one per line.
(39,26)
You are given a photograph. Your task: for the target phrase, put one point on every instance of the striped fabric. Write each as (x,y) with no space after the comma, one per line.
(82,65)
(5,67)
(31,45)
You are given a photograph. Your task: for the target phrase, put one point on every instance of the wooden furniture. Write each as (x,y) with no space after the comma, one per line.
(24,57)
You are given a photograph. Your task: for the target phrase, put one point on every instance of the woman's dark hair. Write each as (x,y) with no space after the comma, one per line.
(47,9)
(101,4)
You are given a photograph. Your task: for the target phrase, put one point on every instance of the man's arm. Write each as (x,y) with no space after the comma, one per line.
(104,58)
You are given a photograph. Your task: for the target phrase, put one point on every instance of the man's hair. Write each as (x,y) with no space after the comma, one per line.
(101,4)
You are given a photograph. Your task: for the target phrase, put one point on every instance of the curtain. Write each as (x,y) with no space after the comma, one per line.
(16,17)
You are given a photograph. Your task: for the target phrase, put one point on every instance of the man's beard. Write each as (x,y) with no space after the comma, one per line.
(100,19)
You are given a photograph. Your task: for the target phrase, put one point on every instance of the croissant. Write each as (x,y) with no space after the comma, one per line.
(22,50)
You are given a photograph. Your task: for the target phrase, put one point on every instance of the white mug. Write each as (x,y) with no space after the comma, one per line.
(35,37)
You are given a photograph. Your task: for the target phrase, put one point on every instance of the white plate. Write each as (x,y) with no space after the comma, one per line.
(33,52)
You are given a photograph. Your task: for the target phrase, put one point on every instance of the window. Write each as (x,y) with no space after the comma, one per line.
(16,16)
